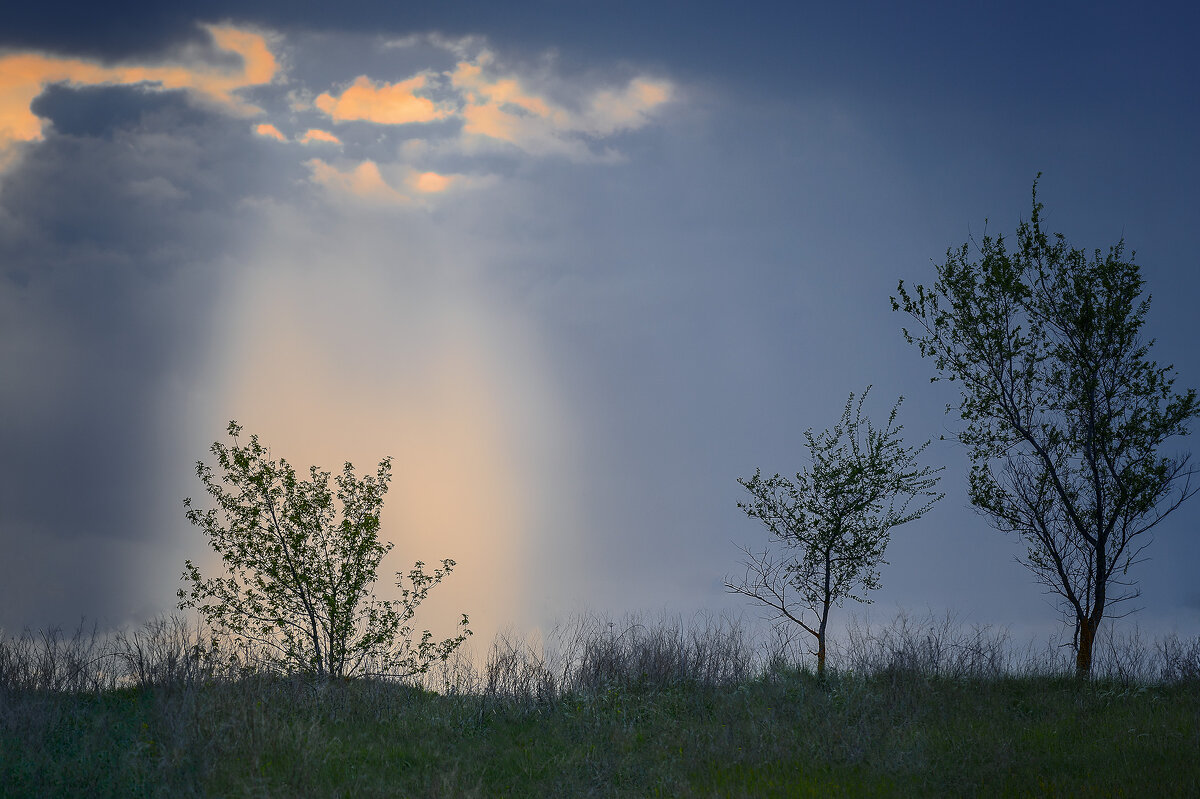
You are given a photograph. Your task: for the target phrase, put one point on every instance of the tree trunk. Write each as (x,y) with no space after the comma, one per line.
(828,600)
(821,638)
(1087,640)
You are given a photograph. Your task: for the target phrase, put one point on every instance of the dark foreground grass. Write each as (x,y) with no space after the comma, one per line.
(786,734)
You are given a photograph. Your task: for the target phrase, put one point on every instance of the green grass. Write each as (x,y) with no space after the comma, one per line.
(891,734)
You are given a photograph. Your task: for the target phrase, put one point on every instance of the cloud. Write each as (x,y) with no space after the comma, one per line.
(431,182)
(610,112)
(354,336)
(393,185)
(270,131)
(314,135)
(384,103)
(501,108)
(156,189)
(493,107)
(206,72)
(363,183)
(258,63)
(498,107)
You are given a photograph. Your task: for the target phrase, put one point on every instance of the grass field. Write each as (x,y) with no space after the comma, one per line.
(667,711)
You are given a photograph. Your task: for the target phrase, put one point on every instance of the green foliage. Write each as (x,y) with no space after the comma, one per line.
(834,520)
(301,559)
(1065,411)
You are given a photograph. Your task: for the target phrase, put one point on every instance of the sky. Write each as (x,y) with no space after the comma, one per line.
(576,266)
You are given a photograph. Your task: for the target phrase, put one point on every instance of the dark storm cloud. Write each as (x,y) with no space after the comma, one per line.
(101,30)
(104,110)
(132,28)
(112,230)
(1050,58)
(145,27)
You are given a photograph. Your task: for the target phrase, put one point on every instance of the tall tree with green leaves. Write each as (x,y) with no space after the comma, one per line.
(832,523)
(301,559)
(1066,414)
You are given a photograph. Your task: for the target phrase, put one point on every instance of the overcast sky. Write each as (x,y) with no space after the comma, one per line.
(576,266)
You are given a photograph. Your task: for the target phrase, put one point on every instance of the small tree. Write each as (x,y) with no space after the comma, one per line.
(299,583)
(834,521)
(1065,412)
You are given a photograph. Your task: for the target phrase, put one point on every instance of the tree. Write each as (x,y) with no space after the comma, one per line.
(1065,412)
(299,582)
(834,521)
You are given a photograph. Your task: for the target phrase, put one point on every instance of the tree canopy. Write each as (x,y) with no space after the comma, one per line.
(1066,414)
(301,559)
(833,521)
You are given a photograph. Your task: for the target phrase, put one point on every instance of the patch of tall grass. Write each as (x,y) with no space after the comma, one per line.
(634,706)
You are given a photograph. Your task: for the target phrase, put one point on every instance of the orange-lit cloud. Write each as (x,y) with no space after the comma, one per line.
(501,108)
(431,182)
(492,105)
(270,131)
(364,182)
(24,75)
(258,64)
(369,183)
(503,91)
(314,135)
(384,103)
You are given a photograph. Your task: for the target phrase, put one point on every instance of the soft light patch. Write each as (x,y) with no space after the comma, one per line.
(459,486)
(383,103)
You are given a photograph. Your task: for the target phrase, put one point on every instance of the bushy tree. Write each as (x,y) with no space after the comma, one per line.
(301,559)
(832,523)
(1065,412)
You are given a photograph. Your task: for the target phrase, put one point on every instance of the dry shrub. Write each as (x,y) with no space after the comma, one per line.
(592,654)
(164,652)
(925,647)
(50,661)
(595,653)
(516,668)
(1178,660)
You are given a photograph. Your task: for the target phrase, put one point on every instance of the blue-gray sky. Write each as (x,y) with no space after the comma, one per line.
(577,266)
